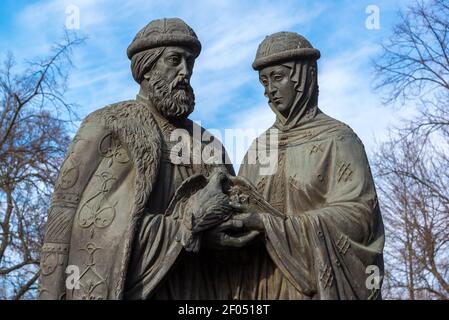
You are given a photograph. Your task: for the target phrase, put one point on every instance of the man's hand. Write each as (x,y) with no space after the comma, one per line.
(206,209)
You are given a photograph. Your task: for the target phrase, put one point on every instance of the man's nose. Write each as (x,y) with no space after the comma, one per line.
(184,70)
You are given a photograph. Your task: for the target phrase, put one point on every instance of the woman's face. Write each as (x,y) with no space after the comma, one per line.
(279,88)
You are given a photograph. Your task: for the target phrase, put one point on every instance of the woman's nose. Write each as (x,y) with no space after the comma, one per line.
(271,89)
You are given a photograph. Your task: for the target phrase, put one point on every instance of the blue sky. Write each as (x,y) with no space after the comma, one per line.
(228,94)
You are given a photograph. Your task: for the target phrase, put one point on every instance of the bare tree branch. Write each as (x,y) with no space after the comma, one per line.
(33,139)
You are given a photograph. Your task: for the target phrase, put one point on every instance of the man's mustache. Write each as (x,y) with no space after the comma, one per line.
(179,83)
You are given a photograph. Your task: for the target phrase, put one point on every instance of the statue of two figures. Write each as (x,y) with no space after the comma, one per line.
(134,224)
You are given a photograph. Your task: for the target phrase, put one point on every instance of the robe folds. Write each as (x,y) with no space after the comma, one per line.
(331,236)
(108,235)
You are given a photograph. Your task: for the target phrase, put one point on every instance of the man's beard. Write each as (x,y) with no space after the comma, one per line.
(175,100)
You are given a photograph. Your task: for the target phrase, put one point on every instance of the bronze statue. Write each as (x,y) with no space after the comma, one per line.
(325,232)
(135,217)
(111,217)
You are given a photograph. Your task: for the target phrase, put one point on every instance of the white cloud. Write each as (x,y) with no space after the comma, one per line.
(230,32)
(346,94)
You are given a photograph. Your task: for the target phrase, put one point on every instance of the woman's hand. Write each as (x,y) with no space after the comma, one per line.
(236,232)
(250,221)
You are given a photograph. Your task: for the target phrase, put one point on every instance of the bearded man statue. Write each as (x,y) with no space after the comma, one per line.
(324,236)
(113,231)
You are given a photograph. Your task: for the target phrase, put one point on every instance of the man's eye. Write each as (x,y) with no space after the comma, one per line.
(173,60)
(278,77)
(264,82)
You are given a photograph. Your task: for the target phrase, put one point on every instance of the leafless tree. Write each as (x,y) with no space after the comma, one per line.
(34,135)
(412,167)
(415,60)
(412,183)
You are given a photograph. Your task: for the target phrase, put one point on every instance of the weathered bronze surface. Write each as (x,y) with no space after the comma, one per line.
(138,225)
(331,233)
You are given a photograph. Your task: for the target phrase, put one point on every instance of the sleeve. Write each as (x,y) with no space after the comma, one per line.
(80,162)
(161,238)
(156,248)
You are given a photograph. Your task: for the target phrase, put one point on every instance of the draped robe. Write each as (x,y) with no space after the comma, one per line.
(332,235)
(200,275)
(107,218)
